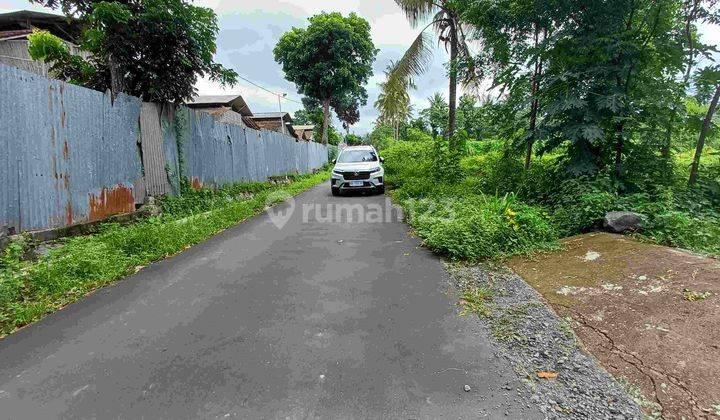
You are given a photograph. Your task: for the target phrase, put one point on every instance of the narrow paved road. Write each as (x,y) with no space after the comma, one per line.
(320,319)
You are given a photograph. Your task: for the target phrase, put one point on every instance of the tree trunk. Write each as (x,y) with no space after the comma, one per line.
(689,18)
(117,81)
(535,102)
(665,151)
(452,100)
(619,146)
(703,133)
(326,118)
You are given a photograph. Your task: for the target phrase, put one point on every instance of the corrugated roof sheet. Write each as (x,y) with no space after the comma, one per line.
(65,27)
(236,102)
(29,14)
(265,115)
(14,34)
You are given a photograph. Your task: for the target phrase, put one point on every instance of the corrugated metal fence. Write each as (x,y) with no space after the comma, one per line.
(70,154)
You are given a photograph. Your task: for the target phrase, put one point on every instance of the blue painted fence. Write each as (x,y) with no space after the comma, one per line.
(69,154)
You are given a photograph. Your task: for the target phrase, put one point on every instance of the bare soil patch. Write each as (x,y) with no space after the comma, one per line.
(649,314)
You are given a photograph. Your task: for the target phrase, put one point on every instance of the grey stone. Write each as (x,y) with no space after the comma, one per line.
(150,208)
(623,221)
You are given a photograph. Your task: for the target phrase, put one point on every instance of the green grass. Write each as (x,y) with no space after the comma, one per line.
(31,290)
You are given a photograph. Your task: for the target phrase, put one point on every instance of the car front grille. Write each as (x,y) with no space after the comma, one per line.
(356,175)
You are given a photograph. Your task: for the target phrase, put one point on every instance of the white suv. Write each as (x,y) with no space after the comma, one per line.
(358,168)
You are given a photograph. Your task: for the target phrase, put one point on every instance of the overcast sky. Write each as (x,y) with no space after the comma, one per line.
(249,30)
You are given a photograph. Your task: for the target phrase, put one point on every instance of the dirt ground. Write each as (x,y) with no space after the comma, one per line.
(650,314)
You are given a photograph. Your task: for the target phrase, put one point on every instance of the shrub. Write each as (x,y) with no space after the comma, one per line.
(581,203)
(194,201)
(678,217)
(481,147)
(415,135)
(476,227)
(406,160)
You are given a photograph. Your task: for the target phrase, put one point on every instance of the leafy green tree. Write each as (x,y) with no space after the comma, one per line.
(153,49)
(514,35)
(309,114)
(347,111)
(329,61)
(416,135)
(598,69)
(469,116)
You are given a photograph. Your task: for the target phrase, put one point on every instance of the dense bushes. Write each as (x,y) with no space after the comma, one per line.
(480,226)
(466,218)
(451,211)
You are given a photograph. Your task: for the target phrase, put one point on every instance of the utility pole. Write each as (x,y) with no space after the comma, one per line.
(282,122)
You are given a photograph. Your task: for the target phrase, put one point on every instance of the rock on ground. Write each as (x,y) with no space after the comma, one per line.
(622,221)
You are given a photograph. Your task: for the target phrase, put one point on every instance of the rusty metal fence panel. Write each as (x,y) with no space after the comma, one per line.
(212,153)
(153,154)
(67,154)
(70,154)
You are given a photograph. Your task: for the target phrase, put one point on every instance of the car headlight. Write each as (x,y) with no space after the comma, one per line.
(376,169)
(336,172)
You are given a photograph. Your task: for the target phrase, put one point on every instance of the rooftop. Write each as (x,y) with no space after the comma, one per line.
(16,24)
(236,102)
(269,115)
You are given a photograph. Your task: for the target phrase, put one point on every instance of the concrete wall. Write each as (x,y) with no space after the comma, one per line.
(70,154)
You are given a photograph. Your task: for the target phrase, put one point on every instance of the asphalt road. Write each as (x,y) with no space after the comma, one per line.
(324,318)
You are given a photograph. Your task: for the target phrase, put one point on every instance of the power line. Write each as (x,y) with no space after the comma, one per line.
(269,91)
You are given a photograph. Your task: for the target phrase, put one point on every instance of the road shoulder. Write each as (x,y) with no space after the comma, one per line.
(564,380)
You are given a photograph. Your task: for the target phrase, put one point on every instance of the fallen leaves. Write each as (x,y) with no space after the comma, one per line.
(693,296)
(544,374)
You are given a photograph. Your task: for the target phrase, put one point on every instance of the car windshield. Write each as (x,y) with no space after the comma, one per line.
(351,156)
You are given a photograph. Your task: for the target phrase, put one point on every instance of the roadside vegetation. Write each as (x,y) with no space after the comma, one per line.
(75,267)
(488,206)
(592,108)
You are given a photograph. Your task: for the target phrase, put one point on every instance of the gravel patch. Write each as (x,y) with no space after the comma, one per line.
(565,382)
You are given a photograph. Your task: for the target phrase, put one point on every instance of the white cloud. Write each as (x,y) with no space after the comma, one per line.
(393,29)
(258,99)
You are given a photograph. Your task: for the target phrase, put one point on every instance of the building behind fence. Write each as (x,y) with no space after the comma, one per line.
(70,154)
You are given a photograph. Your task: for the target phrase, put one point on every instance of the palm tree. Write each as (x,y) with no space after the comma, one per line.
(394,100)
(445,20)
(436,114)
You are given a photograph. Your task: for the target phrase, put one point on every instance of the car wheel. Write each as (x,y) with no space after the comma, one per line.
(335,191)
(381,189)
